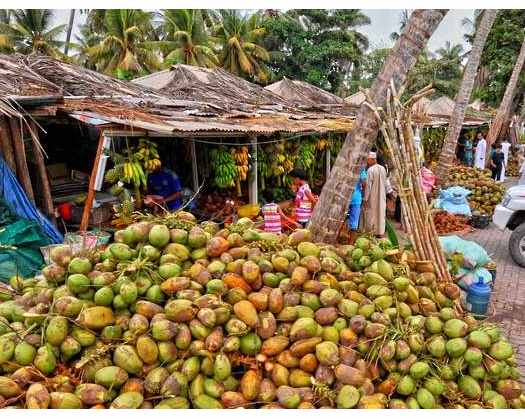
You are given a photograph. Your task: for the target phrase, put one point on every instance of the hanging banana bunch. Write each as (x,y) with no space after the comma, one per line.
(241,157)
(223,167)
(263,168)
(148,155)
(321,144)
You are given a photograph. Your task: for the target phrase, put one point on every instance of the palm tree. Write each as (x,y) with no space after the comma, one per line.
(122,49)
(469,76)
(450,52)
(87,40)
(330,211)
(403,20)
(238,35)
(503,114)
(30,31)
(185,39)
(69,30)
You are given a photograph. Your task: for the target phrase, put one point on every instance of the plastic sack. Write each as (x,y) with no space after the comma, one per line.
(20,254)
(21,205)
(454,201)
(471,277)
(473,254)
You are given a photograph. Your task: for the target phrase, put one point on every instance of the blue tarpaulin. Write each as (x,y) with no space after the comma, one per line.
(19,203)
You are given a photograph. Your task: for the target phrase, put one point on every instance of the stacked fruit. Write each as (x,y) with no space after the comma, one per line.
(202,318)
(224,167)
(486,193)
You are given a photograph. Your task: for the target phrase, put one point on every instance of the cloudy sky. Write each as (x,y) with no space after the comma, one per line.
(383,23)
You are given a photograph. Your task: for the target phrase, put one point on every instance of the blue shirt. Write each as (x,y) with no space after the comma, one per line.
(357,196)
(165,183)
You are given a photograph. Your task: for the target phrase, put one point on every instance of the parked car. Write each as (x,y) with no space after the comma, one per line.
(511,214)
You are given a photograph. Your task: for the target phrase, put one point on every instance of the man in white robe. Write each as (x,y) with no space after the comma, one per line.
(374,198)
(505,147)
(481,151)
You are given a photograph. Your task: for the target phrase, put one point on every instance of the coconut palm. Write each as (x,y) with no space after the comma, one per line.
(83,43)
(469,76)
(185,39)
(330,211)
(122,49)
(238,35)
(450,52)
(503,114)
(6,44)
(30,30)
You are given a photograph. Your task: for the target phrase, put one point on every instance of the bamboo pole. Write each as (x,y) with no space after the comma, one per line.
(20,158)
(7,145)
(42,172)
(84,223)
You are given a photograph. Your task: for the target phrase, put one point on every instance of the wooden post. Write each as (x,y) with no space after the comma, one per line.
(7,144)
(91,191)
(42,172)
(328,162)
(252,178)
(194,168)
(20,158)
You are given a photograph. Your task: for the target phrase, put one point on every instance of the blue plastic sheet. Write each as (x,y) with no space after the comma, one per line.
(14,195)
(454,200)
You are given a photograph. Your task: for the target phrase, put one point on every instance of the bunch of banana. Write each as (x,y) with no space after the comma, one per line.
(321,144)
(133,173)
(113,175)
(241,157)
(306,157)
(148,154)
(224,168)
(263,168)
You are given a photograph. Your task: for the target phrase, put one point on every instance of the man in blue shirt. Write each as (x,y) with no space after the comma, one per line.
(164,187)
(354,210)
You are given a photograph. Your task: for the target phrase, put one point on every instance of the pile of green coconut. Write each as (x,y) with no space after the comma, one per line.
(176,315)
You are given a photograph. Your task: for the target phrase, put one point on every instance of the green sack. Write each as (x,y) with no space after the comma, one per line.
(20,254)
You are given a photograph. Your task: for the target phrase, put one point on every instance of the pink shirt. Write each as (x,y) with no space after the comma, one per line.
(427,180)
(303,206)
(272,218)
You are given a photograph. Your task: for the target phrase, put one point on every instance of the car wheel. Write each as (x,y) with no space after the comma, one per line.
(517,245)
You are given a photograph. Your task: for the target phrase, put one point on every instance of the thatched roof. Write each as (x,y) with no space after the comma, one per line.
(356,99)
(218,87)
(442,106)
(17,81)
(197,108)
(302,93)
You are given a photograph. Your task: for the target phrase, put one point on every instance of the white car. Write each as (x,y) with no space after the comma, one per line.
(511,214)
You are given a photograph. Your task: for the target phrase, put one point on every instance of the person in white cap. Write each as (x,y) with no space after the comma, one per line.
(374,197)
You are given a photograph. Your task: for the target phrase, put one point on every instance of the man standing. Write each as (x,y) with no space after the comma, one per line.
(374,197)
(481,150)
(505,147)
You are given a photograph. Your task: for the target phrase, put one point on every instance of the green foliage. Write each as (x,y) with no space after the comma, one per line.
(185,40)
(29,30)
(238,35)
(499,55)
(432,140)
(318,46)
(368,68)
(122,50)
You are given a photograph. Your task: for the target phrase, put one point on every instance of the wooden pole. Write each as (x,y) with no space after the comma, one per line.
(252,182)
(20,158)
(328,168)
(7,145)
(84,223)
(42,172)
(194,168)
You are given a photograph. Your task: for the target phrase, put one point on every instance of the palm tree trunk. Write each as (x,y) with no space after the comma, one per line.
(469,76)
(330,211)
(69,30)
(506,103)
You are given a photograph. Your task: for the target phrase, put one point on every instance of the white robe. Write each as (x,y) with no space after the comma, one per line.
(505,147)
(374,200)
(481,150)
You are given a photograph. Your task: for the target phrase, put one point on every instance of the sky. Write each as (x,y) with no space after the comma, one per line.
(383,23)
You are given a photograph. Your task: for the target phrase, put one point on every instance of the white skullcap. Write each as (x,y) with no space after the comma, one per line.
(372,155)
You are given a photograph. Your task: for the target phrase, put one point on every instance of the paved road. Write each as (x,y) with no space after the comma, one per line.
(508,299)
